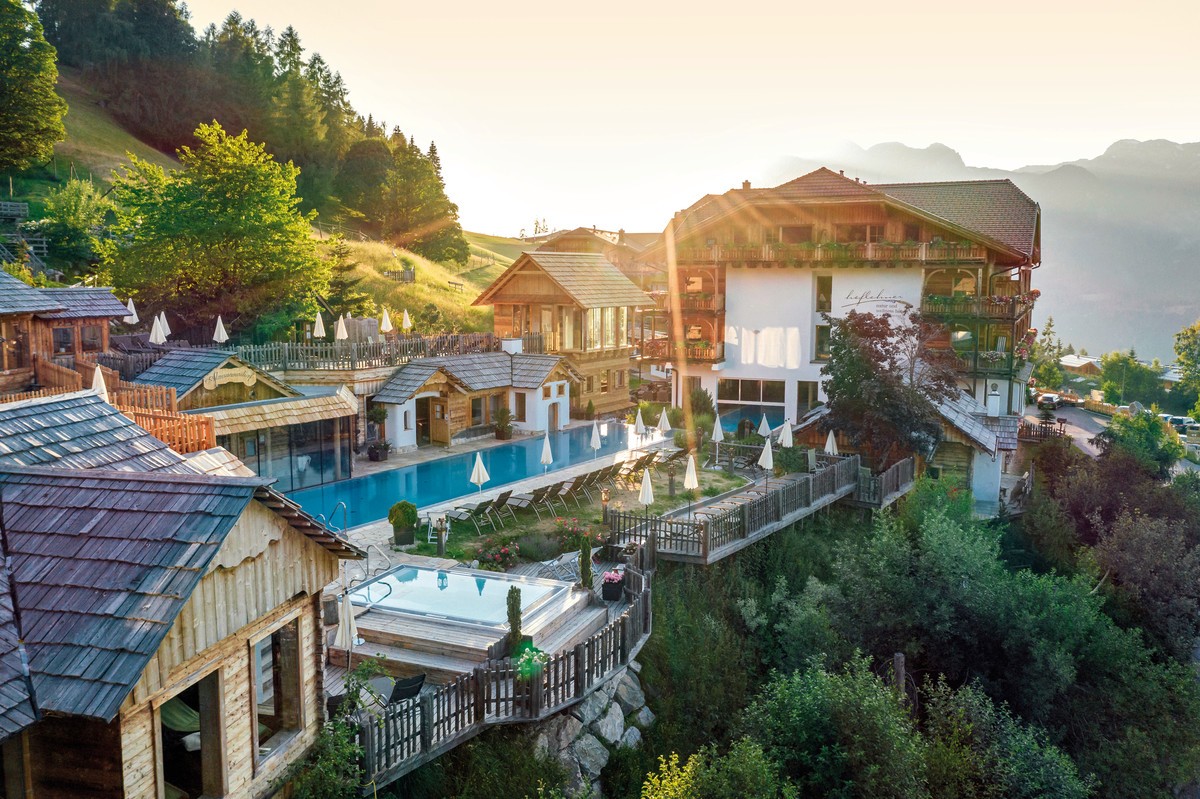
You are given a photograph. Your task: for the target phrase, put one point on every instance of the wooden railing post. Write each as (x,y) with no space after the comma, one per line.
(580,670)
(478,698)
(702,530)
(626,645)
(426,703)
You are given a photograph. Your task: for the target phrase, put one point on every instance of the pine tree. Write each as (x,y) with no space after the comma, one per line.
(30,111)
(345,295)
(434,159)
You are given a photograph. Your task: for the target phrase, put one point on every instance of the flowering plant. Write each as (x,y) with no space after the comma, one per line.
(531,661)
(498,555)
(992,356)
(613,577)
(569,532)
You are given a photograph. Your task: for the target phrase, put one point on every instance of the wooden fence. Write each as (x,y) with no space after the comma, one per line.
(407,734)
(50,375)
(38,394)
(1039,432)
(755,512)
(878,490)
(182,432)
(395,351)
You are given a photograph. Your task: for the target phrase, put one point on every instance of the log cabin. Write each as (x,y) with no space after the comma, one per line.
(581,304)
(160,635)
(300,437)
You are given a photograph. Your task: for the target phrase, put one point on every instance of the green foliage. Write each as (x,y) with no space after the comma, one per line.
(502,420)
(514,618)
(221,236)
(744,771)
(839,734)
(585,561)
(929,497)
(701,402)
(590,411)
(416,214)
(1146,439)
(377,414)
(345,294)
(1187,355)
(502,762)
(75,216)
(1130,380)
(1049,375)
(30,111)
(403,515)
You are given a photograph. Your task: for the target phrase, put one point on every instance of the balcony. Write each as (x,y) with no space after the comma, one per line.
(663,349)
(987,362)
(997,307)
(833,253)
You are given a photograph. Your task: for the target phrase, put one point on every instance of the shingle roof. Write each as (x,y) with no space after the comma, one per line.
(183,369)
(326,403)
(995,208)
(103,562)
(822,184)
(79,431)
(1005,427)
(18,298)
(482,371)
(17,708)
(968,416)
(588,278)
(84,302)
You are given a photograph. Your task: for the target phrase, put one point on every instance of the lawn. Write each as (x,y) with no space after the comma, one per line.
(538,538)
(503,248)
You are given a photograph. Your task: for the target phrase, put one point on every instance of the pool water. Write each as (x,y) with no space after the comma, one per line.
(457,595)
(732,416)
(370,497)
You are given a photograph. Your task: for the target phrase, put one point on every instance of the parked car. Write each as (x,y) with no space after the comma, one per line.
(1180,423)
(1049,401)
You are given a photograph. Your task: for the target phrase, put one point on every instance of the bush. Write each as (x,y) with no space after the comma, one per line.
(538,546)
(498,554)
(590,411)
(701,402)
(403,515)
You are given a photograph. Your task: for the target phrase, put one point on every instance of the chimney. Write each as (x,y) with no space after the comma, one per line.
(621,236)
(842,172)
(993,402)
(745,185)
(513,346)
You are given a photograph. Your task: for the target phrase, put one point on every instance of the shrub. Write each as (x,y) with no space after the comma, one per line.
(497,554)
(585,561)
(538,546)
(590,411)
(514,618)
(403,515)
(702,402)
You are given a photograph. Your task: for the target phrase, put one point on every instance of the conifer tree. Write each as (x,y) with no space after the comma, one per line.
(345,295)
(30,111)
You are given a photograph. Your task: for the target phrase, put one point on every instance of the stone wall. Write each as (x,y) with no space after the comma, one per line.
(584,736)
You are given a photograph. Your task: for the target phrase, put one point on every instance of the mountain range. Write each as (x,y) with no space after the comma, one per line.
(1120,233)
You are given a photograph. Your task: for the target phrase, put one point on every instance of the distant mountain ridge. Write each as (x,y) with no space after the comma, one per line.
(1120,232)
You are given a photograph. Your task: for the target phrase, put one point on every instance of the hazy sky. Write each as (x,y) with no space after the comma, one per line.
(617,114)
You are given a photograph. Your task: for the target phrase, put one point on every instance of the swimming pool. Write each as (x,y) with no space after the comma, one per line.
(471,597)
(443,479)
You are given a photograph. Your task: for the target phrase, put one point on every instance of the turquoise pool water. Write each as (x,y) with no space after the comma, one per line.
(732,416)
(457,595)
(437,481)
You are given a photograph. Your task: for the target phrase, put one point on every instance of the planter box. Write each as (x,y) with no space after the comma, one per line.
(402,536)
(610,592)
(504,435)
(376,455)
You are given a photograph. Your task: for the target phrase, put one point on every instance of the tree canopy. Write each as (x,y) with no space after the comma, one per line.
(30,111)
(223,235)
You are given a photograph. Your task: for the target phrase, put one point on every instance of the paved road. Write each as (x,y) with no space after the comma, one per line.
(1081,425)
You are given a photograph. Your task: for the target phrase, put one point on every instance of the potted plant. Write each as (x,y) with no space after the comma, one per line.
(502,423)
(377,415)
(378,450)
(403,517)
(610,588)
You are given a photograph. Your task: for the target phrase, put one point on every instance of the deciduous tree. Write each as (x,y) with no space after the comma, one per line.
(30,111)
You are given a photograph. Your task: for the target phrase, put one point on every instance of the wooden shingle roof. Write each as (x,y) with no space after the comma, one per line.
(18,709)
(589,279)
(183,369)
(18,298)
(994,208)
(102,563)
(484,371)
(84,302)
(312,406)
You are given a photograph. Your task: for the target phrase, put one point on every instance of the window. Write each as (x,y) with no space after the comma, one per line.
(620,378)
(275,673)
(751,391)
(912,232)
(493,405)
(192,729)
(824,293)
(770,234)
(806,397)
(589,385)
(796,234)
(561,390)
(859,234)
(822,343)
(610,327)
(604,381)
(546,392)
(477,411)
(728,389)
(92,338)
(407,420)
(64,339)
(520,403)
(772,391)
(691,384)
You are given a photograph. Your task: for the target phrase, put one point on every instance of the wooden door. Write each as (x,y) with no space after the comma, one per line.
(439,429)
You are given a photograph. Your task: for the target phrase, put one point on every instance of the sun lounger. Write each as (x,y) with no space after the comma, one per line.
(564,567)
(475,514)
(552,495)
(501,506)
(534,499)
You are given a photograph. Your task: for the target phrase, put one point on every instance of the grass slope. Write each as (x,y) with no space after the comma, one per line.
(501,248)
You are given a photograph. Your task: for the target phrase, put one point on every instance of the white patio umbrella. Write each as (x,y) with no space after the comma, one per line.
(547,455)
(767,459)
(406,322)
(785,435)
(162,317)
(718,435)
(319,327)
(156,332)
(690,481)
(99,386)
(385,325)
(664,424)
(639,427)
(340,333)
(219,335)
(831,444)
(764,427)
(595,438)
(132,319)
(347,631)
(646,496)
(479,475)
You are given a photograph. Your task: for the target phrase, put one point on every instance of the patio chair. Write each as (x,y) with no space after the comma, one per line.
(474,514)
(564,567)
(573,491)
(407,688)
(667,459)
(589,482)
(500,506)
(533,499)
(553,493)
(632,470)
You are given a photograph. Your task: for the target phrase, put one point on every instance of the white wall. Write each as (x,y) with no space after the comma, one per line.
(985,476)
(402,439)
(537,409)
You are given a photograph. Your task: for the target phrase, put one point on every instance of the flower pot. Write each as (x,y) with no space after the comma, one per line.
(377,455)
(610,592)
(504,435)
(402,536)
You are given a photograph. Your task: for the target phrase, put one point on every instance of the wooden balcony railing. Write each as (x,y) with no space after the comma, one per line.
(52,375)
(662,349)
(182,432)
(1008,308)
(395,351)
(880,489)
(829,252)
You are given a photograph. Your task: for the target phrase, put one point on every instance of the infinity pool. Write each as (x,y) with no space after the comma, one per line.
(443,479)
(457,595)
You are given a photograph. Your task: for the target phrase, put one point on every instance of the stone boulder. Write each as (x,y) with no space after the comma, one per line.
(629,694)
(644,717)
(632,738)
(591,755)
(558,733)
(611,726)
(590,708)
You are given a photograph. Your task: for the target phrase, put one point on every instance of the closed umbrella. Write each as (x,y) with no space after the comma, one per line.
(646,496)
(595,438)
(718,436)
(347,631)
(764,427)
(385,324)
(319,327)
(785,435)
(479,475)
(406,322)
(639,427)
(767,459)
(664,424)
(99,386)
(340,333)
(156,332)
(132,319)
(690,481)
(166,329)
(547,455)
(219,335)
(831,444)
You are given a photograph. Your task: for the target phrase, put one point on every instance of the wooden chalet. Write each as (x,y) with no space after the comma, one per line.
(581,305)
(300,437)
(439,400)
(161,631)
